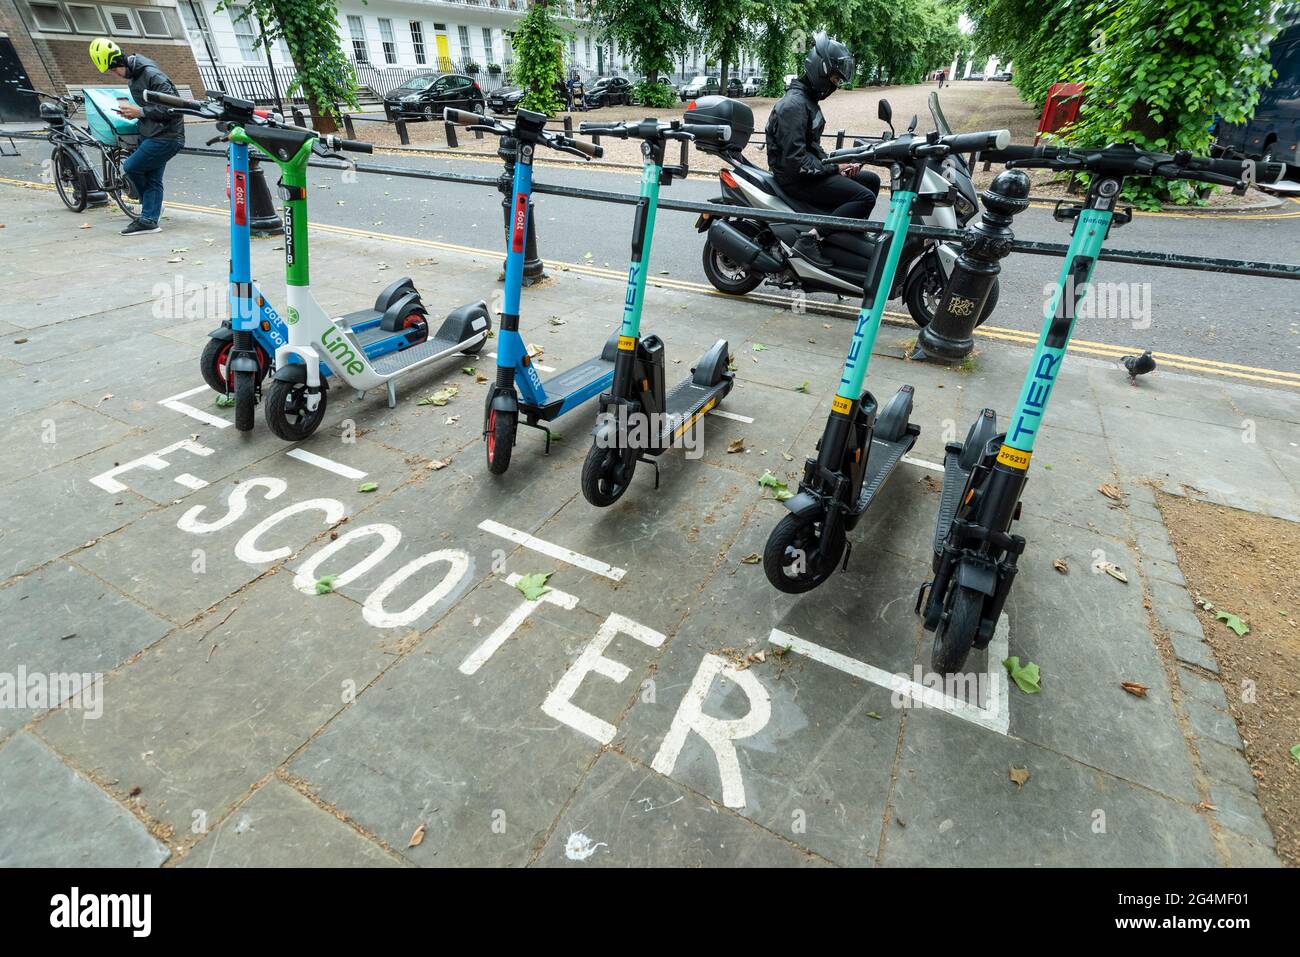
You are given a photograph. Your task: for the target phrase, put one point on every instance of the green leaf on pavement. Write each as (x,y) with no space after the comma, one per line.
(325,584)
(1233,622)
(1026,677)
(875,714)
(1295,751)
(367,486)
(534,586)
(225,401)
(759,347)
(441,397)
(468,370)
(803,387)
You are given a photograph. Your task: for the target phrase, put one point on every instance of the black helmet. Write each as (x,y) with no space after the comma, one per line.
(827,56)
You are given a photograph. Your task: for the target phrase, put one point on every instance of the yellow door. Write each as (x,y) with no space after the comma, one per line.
(444,53)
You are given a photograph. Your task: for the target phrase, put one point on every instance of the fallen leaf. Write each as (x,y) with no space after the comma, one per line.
(1110,491)
(736,445)
(468,370)
(1233,622)
(440,464)
(441,397)
(480,378)
(803,387)
(534,586)
(1135,689)
(753,558)
(451,420)
(1114,571)
(875,715)
(224,401)
(780,491)
(787,456)
(556,321)
(1020,776)
(325,584)
(1295,752)
(535,350)
(1060,565)
(367,486)
(1026,677)
(417,838)
(759,347)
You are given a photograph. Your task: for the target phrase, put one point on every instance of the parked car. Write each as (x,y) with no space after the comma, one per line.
(735,86)
(505,100)
(429,95)
(974,76)
(700,85)
(609,91)
(753,84)
(1003,77)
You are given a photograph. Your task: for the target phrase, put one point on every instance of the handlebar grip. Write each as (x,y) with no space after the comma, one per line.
(605,129)
(463,118)
(713,133)
(1236,168)
(176,102)
(1007,154)
(355,146)
(977,142)
(582,146)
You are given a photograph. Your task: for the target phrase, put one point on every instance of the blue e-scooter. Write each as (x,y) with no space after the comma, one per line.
(519,392)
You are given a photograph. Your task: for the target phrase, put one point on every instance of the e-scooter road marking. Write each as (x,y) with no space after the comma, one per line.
(554,551)
(993,717)
(176,405)
(329,465)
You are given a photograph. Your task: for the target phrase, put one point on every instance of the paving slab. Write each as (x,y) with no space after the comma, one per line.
(54,817)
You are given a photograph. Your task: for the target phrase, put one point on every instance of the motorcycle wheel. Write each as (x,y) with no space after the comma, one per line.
(923,290)
(728,276)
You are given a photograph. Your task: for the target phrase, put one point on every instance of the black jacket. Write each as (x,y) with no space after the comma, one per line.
(158,121)
(794,128)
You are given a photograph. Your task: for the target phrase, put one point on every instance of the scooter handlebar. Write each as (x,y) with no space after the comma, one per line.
(604,129)
(175,102)
(464,118)
(976,142)
(349,146)
(715,134)
(590,150)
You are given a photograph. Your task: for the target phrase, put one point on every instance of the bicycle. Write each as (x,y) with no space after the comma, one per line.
(75,178)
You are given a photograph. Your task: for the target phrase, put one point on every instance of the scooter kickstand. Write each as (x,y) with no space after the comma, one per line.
(392,393)
(654,465)
(848,550)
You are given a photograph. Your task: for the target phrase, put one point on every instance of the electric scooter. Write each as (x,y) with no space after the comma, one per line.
(862,443)
(519,393)
(742,253)
(637,416)
(365,349)
(975,553)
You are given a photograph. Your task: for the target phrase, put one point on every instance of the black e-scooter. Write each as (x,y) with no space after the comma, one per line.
(637,417)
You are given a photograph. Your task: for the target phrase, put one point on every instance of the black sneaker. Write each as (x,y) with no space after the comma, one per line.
(806,247)
(140,226)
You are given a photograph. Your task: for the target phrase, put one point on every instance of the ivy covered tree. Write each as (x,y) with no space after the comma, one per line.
(651,32)
(309,29)
(539,58)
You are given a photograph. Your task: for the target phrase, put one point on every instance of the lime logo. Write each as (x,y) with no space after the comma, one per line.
(292,317)
(341,350)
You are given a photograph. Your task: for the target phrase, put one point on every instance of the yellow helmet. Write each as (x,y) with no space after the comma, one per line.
(103,52)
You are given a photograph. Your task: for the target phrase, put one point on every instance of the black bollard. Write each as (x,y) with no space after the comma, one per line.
(949,334)
(534,268)
(264,218)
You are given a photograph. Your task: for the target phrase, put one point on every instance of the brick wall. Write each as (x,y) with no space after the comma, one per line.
(41,70)
(73,62)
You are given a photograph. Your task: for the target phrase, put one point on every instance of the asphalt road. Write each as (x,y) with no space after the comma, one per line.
(1238,319)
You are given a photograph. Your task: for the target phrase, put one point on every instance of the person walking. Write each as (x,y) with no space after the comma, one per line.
(943,75)
(162,132)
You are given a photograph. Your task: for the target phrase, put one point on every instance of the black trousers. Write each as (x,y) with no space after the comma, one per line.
(851,196)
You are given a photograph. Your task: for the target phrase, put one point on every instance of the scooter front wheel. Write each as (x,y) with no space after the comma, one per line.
(499,433)
(287,412)
(213,364)
(245,400)
(797,557)
(955,635)
(600,483)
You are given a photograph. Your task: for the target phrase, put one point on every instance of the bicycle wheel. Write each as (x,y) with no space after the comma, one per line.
(67,179)
(118,185)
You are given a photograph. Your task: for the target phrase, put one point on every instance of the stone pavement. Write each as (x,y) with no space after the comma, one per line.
(624,718)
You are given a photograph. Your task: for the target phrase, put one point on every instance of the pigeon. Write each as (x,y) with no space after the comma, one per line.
(1138,365)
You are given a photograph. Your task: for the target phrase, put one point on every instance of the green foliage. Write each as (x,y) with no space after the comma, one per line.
(722,29)
(539,58)
(651,31)
(1155,72)
(310,31)
(655,95)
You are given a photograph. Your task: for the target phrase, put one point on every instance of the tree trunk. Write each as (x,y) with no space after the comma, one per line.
(321,120)
(722,73)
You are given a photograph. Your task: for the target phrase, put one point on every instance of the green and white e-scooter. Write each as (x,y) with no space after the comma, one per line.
(638,416)
(975,552)
(862,444)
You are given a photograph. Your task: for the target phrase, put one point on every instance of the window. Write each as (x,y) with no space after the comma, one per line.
(586,61)
(49,16)
(417,40)
(462,34)
(153,21)
(487,45)
(573,50)
(387,40)
(242,19)
(358,31)
(196,25)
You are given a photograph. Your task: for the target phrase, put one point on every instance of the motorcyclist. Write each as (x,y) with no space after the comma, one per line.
(794,152)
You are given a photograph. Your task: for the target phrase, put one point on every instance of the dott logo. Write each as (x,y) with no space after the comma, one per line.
(521,224)
(241,200)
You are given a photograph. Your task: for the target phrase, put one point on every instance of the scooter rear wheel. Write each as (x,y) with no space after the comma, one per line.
(245,400)
(500,440)
(955,635)
(796,558)
(287,414)
(599,486)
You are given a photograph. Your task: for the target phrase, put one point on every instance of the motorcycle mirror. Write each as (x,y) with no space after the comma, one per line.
(885,111)
(911,127)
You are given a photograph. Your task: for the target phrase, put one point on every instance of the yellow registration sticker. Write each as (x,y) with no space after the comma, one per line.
(1015,458)
(841,405)
(626,343)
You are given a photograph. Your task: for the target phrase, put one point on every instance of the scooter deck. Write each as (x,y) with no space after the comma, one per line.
(427,351)
(954,483)
(687,401)
(881,461)
(582,376)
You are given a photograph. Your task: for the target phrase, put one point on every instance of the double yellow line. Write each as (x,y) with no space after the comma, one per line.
(1229,370)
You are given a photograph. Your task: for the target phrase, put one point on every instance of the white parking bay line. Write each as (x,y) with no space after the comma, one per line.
(731,415)
(176,405)
(329,465)
(993,717)
(922,463)
(555,551)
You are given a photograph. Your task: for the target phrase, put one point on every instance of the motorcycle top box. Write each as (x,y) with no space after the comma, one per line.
(720,111)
